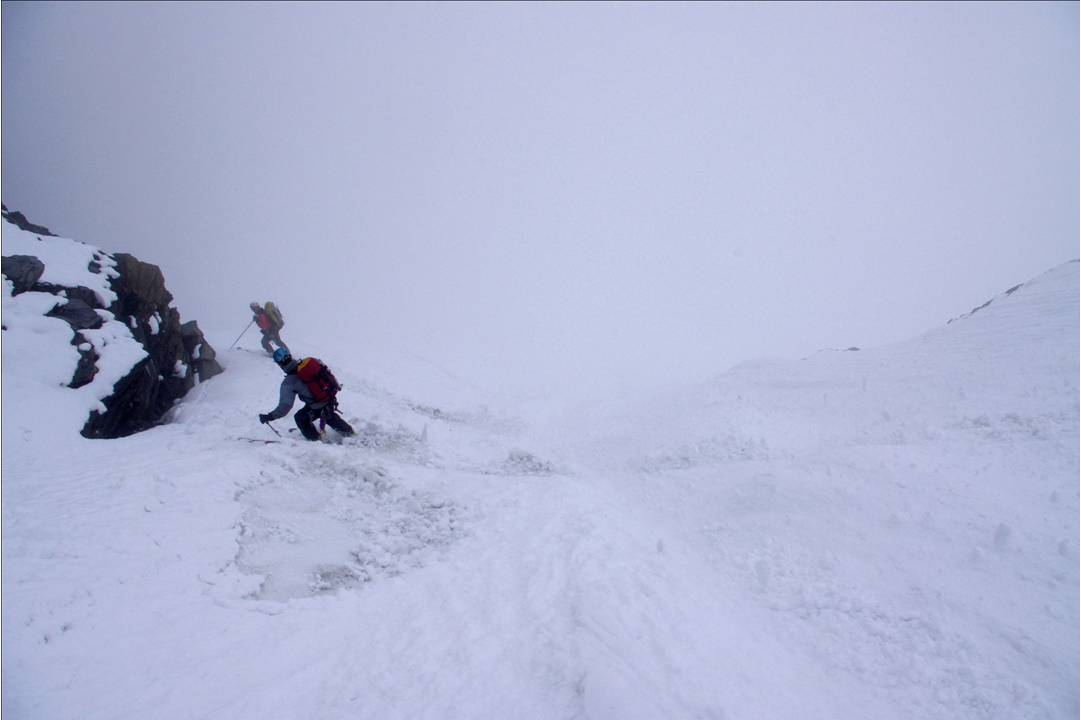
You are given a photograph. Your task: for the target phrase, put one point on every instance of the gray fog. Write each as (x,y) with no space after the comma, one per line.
(550,196)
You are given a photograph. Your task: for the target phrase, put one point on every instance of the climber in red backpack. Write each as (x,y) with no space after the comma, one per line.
(269,320)
(311,381)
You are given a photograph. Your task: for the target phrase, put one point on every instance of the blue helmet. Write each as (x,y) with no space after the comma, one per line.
(282,356)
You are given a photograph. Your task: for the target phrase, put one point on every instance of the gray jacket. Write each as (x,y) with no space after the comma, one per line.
(292,388)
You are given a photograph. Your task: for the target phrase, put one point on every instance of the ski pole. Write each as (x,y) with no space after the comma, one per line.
(267,423)
(242,334)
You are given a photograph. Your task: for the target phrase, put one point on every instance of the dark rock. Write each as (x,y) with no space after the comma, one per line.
(192,336)
(17,218)
(203,356)
(131,406)
(142,291)
(22,270)
(178,354)
(78,292)
(87,367)
(77,314)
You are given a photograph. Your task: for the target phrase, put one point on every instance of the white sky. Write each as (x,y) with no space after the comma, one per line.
(552,194)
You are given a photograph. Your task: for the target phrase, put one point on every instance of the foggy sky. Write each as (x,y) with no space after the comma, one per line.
(553,194)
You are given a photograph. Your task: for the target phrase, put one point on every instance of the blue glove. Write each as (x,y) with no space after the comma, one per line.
(264,418)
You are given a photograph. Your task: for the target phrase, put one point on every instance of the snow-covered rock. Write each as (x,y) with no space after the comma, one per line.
(101,324)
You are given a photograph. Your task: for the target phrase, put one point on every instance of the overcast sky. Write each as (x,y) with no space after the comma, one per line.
(557,193)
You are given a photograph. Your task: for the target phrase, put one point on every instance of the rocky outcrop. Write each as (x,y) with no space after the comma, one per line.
(203,356)
(176,354)
(144,395)
(19,220)
(23,271)
(78,314)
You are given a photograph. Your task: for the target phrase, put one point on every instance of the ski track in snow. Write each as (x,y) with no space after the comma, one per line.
(890,533)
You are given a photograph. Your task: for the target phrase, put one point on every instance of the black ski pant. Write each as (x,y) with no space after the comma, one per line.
(307,415)
(269,336)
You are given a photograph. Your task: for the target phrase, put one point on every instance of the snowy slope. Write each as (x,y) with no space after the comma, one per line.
(890,533)
(908,515)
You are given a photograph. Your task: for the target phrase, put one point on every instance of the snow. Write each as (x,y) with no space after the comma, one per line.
(67,262)
(44,343)
(118,353)
(889,533)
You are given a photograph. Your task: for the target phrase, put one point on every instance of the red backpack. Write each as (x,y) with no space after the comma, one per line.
(320,380)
